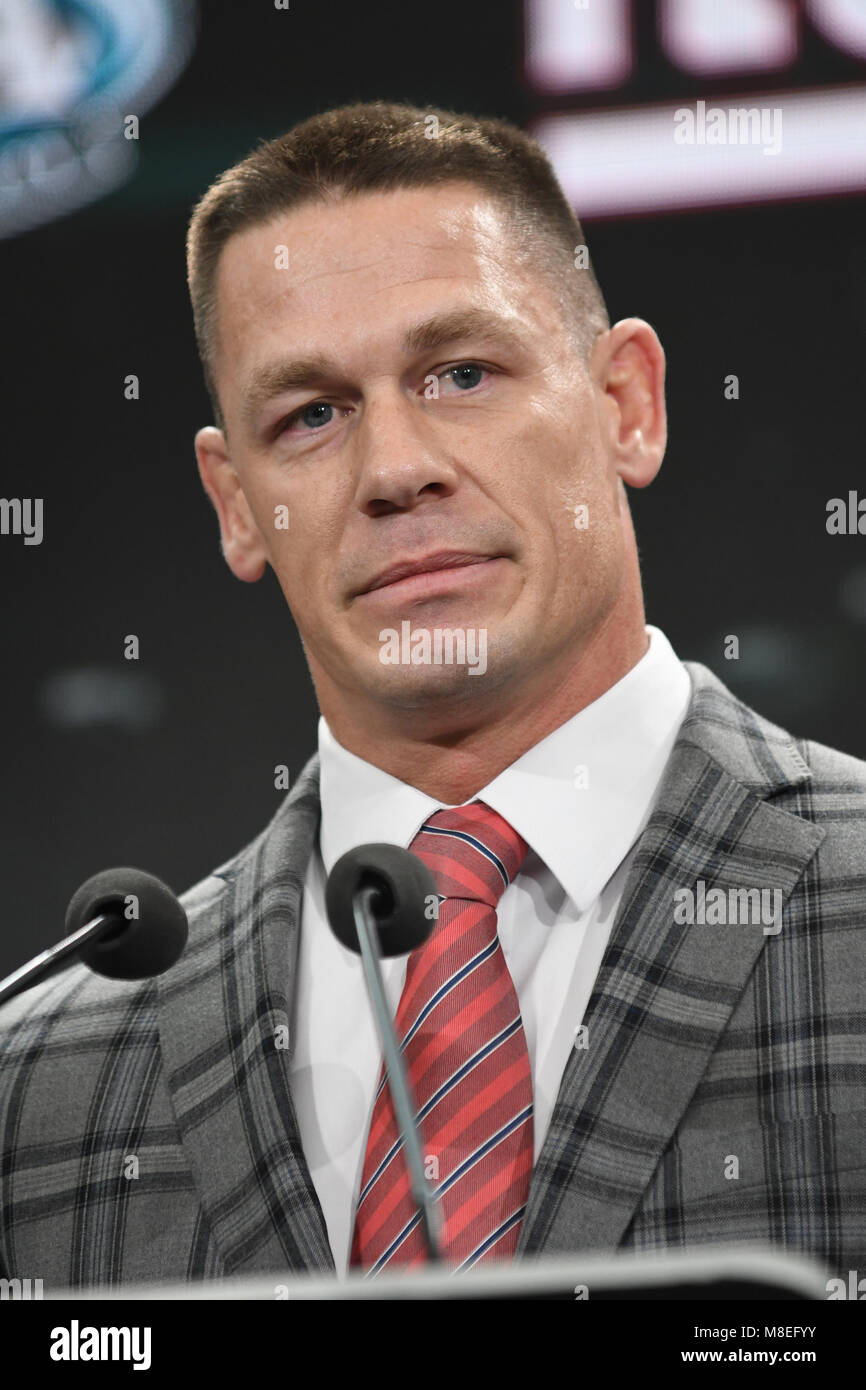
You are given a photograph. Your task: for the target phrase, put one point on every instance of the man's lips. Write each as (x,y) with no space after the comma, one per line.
(426,564)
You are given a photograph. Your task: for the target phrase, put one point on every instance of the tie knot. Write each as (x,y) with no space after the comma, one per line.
(472,852)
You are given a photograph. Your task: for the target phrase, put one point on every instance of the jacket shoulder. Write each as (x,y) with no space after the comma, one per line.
(764,756)
(832,769)
(78,1004)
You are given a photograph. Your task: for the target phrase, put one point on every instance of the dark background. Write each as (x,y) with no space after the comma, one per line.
(176,772)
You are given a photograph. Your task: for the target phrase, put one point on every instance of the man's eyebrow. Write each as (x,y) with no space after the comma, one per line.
(431,333)
(455,324)
(289,375)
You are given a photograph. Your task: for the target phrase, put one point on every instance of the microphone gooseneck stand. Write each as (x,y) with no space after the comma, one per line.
(422,1193)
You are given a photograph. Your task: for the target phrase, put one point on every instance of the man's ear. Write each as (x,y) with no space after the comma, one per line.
(242,546)
(628,366)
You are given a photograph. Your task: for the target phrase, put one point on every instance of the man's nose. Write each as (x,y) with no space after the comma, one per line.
(402,460)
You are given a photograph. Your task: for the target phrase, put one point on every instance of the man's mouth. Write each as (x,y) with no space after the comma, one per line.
(432,564)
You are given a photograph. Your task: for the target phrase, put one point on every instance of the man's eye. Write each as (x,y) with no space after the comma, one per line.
(465,375)
(311,416)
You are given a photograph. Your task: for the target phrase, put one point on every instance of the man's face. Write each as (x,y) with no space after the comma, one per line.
(400,389)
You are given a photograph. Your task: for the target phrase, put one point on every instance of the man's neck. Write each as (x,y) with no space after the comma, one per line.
(453,760)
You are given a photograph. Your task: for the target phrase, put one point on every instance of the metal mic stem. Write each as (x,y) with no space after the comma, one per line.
(368,939)
(50,960)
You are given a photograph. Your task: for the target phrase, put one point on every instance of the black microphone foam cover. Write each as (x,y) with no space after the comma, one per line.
(405,894)
(139,946)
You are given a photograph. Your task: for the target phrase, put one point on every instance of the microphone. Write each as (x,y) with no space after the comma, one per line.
(104,937)
(375,899)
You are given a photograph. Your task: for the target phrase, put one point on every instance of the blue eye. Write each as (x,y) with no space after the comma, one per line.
(309,418)
(466,375)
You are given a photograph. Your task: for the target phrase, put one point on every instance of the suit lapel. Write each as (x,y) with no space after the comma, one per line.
(665,992)
(225,1030)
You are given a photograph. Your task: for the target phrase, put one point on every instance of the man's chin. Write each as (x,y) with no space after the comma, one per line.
(446,685)
(414,688)
(415,666)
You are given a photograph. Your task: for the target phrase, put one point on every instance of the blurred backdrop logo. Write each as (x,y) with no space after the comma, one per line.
(75,78)
(613,77)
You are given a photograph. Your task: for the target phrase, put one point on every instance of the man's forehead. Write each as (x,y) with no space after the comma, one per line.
(307,264)
(365,232)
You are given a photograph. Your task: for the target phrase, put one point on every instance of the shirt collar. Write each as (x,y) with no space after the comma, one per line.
(580,797)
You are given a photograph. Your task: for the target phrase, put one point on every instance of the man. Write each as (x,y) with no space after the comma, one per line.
(637,1022)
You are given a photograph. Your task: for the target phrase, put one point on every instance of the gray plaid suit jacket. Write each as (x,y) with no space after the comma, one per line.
(147,1129)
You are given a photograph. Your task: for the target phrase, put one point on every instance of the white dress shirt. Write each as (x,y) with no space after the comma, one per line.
(580,798)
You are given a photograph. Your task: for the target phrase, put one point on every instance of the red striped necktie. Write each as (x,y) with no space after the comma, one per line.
(465,1051)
